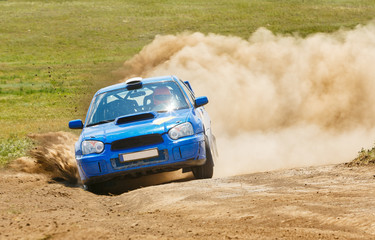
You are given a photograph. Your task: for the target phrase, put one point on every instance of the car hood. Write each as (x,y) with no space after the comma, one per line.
(109,132)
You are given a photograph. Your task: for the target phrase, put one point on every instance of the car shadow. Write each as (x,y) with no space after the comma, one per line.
(122,185)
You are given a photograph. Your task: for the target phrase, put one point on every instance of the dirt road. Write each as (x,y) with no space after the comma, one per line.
(328,202)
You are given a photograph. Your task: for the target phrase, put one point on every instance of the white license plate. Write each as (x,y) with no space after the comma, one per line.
(127,157)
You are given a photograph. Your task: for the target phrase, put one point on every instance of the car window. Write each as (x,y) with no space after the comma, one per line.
(159,97)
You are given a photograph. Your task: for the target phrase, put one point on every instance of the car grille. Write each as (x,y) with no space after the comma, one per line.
(138,141)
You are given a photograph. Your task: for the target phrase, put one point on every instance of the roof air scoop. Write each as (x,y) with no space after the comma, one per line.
(134,118)
(134,83)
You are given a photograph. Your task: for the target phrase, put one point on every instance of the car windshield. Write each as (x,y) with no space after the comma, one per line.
(159,97)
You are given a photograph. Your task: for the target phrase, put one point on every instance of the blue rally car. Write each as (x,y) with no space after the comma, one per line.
(144,126)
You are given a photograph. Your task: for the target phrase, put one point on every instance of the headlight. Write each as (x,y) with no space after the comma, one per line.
(91,146)
(182,130)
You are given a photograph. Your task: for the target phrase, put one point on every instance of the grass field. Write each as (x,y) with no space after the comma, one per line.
(54,54)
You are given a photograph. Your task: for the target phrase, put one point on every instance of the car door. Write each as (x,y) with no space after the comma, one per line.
(203,115)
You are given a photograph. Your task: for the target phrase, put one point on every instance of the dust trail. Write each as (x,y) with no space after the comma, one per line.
(276,101)
(53,156)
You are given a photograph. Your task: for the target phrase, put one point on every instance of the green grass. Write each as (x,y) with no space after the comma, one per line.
(365,157)
(13,147)
(55,54)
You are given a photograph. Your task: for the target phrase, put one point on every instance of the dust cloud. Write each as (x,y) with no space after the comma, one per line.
(276,101)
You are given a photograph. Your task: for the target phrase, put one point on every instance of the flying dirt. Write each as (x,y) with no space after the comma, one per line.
(53,156)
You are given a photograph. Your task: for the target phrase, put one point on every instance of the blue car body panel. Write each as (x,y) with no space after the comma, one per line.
(141,135)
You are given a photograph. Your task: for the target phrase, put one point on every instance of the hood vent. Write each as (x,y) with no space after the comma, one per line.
(134,118)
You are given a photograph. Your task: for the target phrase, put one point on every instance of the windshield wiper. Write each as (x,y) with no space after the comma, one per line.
(101,122)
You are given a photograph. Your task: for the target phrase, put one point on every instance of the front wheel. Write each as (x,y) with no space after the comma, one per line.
(207,169)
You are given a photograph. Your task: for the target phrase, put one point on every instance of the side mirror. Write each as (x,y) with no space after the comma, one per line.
(200,101)
(76,124)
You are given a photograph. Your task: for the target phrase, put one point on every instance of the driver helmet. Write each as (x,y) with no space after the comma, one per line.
(162,95)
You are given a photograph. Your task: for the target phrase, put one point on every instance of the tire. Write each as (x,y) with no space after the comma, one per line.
(206,170)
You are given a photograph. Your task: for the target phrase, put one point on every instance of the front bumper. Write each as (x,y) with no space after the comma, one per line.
(185,152)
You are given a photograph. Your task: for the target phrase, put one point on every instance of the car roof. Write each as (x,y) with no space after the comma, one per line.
(144,81)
